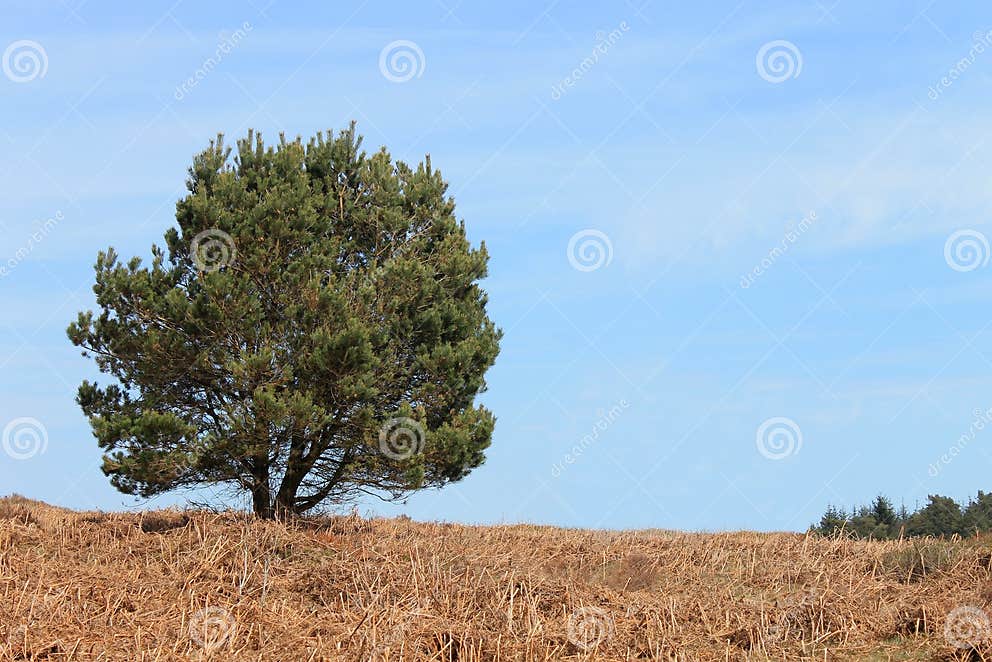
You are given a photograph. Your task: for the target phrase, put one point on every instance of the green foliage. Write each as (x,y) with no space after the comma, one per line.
(315,307)
(882,511)
(833,522)
(978,513)
(914,563)
(942,516)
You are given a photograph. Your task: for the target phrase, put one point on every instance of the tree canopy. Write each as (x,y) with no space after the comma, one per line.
(312,330)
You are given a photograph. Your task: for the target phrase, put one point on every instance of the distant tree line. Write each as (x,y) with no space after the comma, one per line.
(941,516)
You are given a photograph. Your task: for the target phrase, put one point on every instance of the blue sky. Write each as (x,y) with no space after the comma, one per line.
(783,302)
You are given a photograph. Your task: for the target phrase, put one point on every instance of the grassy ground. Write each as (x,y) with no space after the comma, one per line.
(170,585)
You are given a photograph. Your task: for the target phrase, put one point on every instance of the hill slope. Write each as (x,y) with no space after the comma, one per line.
(174,585)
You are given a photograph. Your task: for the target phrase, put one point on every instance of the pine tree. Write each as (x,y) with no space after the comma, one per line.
(978,514)
(883,515)
(863,524)
(940,517)
(883,511)
(313,330)
(833,521)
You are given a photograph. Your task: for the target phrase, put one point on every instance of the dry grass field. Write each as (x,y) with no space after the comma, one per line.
(168,585)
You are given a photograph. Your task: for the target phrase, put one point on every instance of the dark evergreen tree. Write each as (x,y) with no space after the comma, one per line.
(313,330)
(940,517)
(863,523)
(978,514)
(833,522)
(882,511)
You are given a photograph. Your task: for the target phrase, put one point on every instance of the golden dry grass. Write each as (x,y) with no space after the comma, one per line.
(169,585)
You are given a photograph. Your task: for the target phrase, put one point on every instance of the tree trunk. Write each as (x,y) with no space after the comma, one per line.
(261,502)
(296,471)
(261,495)
(261,492)
(285,502)
(285,506)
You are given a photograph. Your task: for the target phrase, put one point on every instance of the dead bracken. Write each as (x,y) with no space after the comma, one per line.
(194,585)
